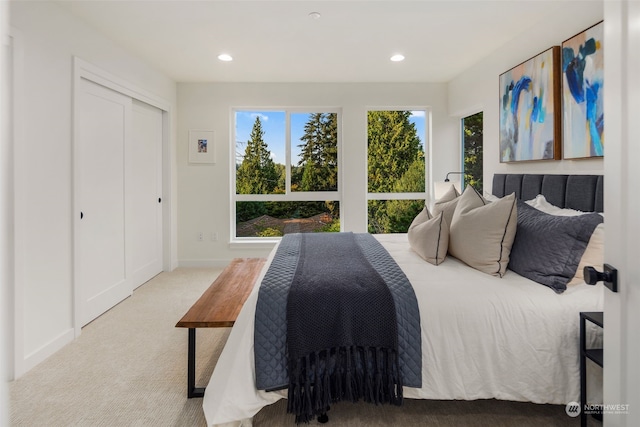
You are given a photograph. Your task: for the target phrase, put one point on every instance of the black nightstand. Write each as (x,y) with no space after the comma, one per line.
(595,354)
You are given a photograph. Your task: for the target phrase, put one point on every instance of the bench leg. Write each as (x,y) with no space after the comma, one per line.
(192,390)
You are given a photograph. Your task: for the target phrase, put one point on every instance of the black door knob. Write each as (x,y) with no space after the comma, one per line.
(593,276)
(609,276)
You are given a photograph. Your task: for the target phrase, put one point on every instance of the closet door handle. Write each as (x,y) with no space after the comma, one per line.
(81,215)
(159,200)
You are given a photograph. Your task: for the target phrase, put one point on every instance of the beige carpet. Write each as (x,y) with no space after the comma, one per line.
(128,368)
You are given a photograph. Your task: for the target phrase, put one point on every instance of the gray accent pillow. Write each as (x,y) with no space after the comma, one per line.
(548,248)
(429,236)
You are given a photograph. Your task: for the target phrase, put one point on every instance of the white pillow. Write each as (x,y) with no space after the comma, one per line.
(481,233)
(593,254)
(541,203)
(490,197)
(429,236)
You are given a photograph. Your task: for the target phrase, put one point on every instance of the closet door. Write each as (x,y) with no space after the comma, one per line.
(103,132)
(143,183)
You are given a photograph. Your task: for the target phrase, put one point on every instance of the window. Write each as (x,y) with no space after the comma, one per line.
(396,168)
(472,150)
(286,172)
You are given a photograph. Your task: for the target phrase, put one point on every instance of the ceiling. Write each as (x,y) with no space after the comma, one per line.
(277,41)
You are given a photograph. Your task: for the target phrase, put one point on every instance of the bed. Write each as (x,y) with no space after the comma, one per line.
(483,336)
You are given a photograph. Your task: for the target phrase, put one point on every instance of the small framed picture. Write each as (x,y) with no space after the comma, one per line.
(202,147)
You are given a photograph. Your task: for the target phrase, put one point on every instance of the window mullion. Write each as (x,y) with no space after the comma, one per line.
(396,196)
(314,196)
(287,156)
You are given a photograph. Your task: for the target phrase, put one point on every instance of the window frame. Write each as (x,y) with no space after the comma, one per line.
(288,196)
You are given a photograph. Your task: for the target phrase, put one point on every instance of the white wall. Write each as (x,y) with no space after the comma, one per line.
(48,37)
(204,190)
(477,88)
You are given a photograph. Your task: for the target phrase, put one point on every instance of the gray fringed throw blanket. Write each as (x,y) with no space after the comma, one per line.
(342,334)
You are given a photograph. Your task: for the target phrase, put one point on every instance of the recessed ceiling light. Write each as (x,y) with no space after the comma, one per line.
(315,15)
(225,57)
(397,58)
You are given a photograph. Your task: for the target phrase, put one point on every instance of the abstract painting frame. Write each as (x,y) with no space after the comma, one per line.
(582,94)
(202,147)
(530,109)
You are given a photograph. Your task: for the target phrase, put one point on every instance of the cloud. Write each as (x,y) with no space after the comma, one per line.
(263,117)
(418,113)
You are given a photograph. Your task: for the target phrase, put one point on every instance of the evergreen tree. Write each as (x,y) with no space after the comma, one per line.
(319,154)
(393,145)
(401,213)
(282,178)
(473,151)
(246,211)
(396,164)
(257,174)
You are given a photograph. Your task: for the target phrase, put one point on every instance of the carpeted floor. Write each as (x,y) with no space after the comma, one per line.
(128,368)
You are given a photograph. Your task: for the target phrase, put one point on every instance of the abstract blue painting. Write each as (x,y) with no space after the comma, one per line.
(582,93)
(530,109)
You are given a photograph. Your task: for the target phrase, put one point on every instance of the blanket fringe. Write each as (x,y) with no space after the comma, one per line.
(342,374)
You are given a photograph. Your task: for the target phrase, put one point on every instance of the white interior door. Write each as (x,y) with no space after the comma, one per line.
(103,132)
(622,213)
(144,193)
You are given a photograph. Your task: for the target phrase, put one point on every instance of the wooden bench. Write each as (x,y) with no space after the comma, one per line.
(218,307)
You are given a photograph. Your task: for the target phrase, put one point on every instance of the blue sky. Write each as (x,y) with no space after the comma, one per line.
(273,125)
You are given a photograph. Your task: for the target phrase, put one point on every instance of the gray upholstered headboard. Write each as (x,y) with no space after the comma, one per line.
(580,192)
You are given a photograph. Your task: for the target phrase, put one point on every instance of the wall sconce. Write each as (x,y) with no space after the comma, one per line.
(441,187)
(446,178)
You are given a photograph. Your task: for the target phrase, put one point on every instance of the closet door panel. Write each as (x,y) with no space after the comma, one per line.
(144,193)
(104,131)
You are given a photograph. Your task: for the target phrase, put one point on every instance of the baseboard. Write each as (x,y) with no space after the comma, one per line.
(41,354)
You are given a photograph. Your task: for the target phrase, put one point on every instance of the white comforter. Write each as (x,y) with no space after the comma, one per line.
(482,337)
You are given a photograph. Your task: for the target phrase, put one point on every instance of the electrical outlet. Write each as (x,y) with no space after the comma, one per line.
(214,236)
(200,236)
